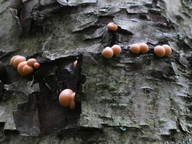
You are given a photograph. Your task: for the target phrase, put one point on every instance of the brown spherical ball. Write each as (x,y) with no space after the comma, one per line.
(135,48)
(12,59)
(20,67)
(164,24)
(144,48)
(116,49)
(75,64)
(36,65)
(159,51)
(112,26)
(73,97)
(27,69)
(18,60)
(168,50)
(72,105)
(107,52)
(31,61)
(65,97)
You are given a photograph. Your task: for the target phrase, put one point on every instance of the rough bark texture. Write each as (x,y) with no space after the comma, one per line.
(132,99)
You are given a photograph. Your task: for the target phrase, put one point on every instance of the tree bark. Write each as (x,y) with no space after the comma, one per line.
(128,99)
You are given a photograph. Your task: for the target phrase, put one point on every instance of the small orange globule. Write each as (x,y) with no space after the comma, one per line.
(31,61)
(135,48)
(72,105)
(168,50)
(112,26)
(164,24)
(20,67)
(66,97)
(116,49)
(24,67)
(159,51)
(12,59)
(75,64)
(18,59)
(36,65)
(143,48)
(107,52)
(27,69)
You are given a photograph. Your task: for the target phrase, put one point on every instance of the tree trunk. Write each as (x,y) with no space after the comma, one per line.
(127,99)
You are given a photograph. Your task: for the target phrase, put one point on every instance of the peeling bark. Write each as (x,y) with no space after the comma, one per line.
(127,99)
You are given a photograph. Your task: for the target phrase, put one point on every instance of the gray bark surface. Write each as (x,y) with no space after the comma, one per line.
(129,99)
